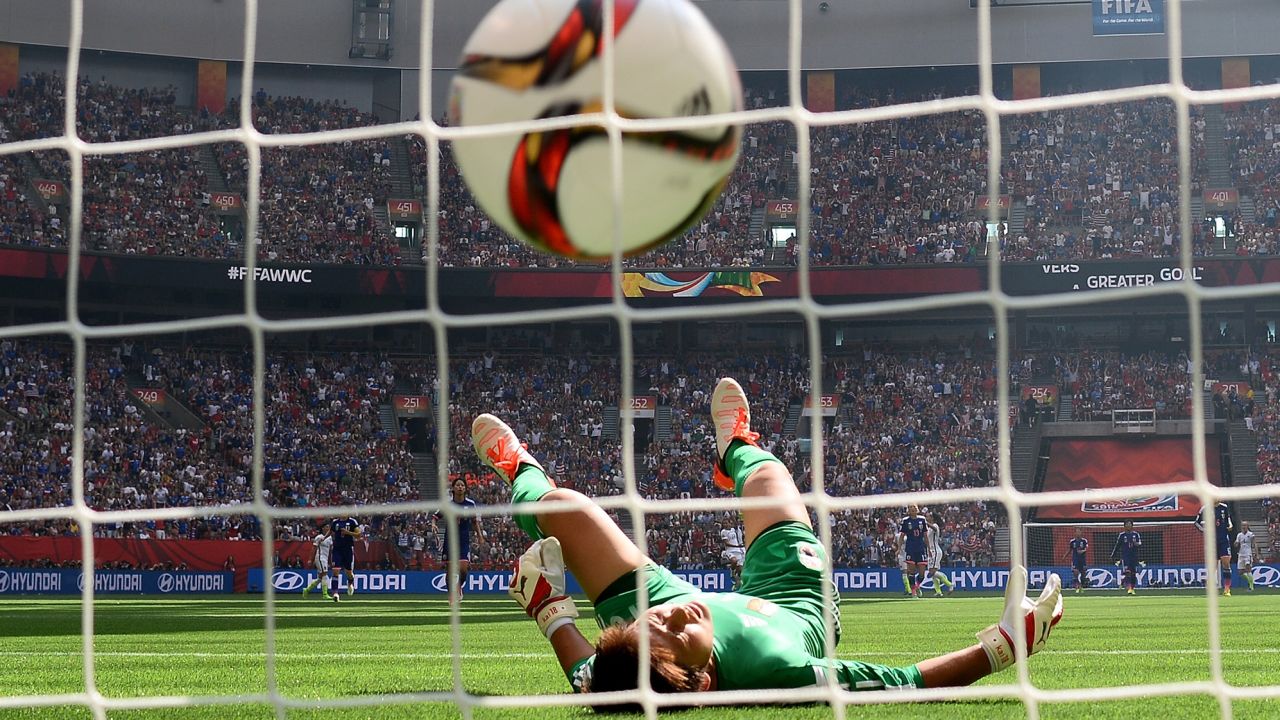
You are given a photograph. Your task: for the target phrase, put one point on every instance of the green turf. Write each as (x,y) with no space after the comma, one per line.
(375,645)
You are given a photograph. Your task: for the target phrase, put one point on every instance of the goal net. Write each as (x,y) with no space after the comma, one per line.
(1036,545)
(1171,555)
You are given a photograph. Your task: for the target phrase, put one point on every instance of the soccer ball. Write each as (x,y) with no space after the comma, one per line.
(532,59)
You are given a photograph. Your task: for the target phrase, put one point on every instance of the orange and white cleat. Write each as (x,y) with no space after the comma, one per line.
(731,415)
(498,447)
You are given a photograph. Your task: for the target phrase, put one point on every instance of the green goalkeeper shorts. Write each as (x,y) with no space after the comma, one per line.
(785,565)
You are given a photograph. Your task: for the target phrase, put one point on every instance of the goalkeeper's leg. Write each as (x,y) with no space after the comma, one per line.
(748,470)
(595,549)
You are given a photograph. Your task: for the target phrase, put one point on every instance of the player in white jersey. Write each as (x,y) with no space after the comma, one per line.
(1244,542)
(323,543)
(933,539)
(735,550)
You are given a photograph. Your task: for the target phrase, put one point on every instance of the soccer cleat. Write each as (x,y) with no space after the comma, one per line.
(1131,592)
(327,596)
(498,447)
(306,591)
(731,415)
(1226,593)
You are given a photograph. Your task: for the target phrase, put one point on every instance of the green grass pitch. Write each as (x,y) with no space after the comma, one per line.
(374,645)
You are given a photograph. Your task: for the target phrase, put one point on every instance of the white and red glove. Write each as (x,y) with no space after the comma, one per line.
(538,585)
(1039,616)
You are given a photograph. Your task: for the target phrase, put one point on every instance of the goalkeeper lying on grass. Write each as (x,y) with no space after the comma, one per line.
(769,634)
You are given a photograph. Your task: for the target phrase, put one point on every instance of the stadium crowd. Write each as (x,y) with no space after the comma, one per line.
(1096,182)
(906,422)
(1099,182)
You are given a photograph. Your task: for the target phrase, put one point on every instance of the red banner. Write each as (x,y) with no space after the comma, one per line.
(828,406)
(1087,463)
(209,555)
(1239,387)
(1044,394)
(52,191)
(211,85)
(781,211)
(1221,198)
(155,397)
(226,203)
(644,406)
(405,210)
(412,405)
(983,202)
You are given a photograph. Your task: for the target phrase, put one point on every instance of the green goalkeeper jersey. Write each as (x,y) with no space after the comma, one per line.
(769,635)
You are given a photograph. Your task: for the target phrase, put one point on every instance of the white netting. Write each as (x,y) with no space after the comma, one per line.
(625,316)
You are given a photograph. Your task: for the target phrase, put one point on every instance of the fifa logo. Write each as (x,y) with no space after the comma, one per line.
(1126,7)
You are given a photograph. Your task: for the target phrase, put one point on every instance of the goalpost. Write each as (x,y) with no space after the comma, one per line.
(1171,555)
(434,319)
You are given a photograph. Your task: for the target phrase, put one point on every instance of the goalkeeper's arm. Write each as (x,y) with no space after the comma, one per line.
(538,585)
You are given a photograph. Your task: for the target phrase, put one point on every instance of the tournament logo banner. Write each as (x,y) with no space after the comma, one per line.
(1128,17)
(1155,503)
(745,283)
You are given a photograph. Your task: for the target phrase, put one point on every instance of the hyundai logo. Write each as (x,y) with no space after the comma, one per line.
(4,581)
(1264,575)
(1100,577)
(165,583)
(80,581)
(439,583)
(288,581)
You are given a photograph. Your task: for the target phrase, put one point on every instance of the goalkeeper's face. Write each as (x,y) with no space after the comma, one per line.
(684,629)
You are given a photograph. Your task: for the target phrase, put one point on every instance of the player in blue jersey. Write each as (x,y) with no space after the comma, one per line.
(770,633)
(1078,549)
(343,560)
(1222,527)
(913,533)
(1127,544)
(464,527)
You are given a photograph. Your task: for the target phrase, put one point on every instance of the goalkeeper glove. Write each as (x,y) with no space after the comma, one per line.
(1038,617)
(538,585)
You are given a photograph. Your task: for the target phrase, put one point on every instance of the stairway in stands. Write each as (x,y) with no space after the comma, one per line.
(1244,473)
(403,187)
(1066,406)
(215,180)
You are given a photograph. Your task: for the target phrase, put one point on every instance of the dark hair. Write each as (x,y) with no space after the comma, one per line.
(617,668)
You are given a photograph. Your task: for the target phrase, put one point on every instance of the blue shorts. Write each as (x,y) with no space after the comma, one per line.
(464,551)
(1078,563)
(344,559)
(1224,544)
(916,555)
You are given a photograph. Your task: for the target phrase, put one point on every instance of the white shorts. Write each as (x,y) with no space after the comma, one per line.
(934,559)
(322,567)
(733,555)
(1245,558)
